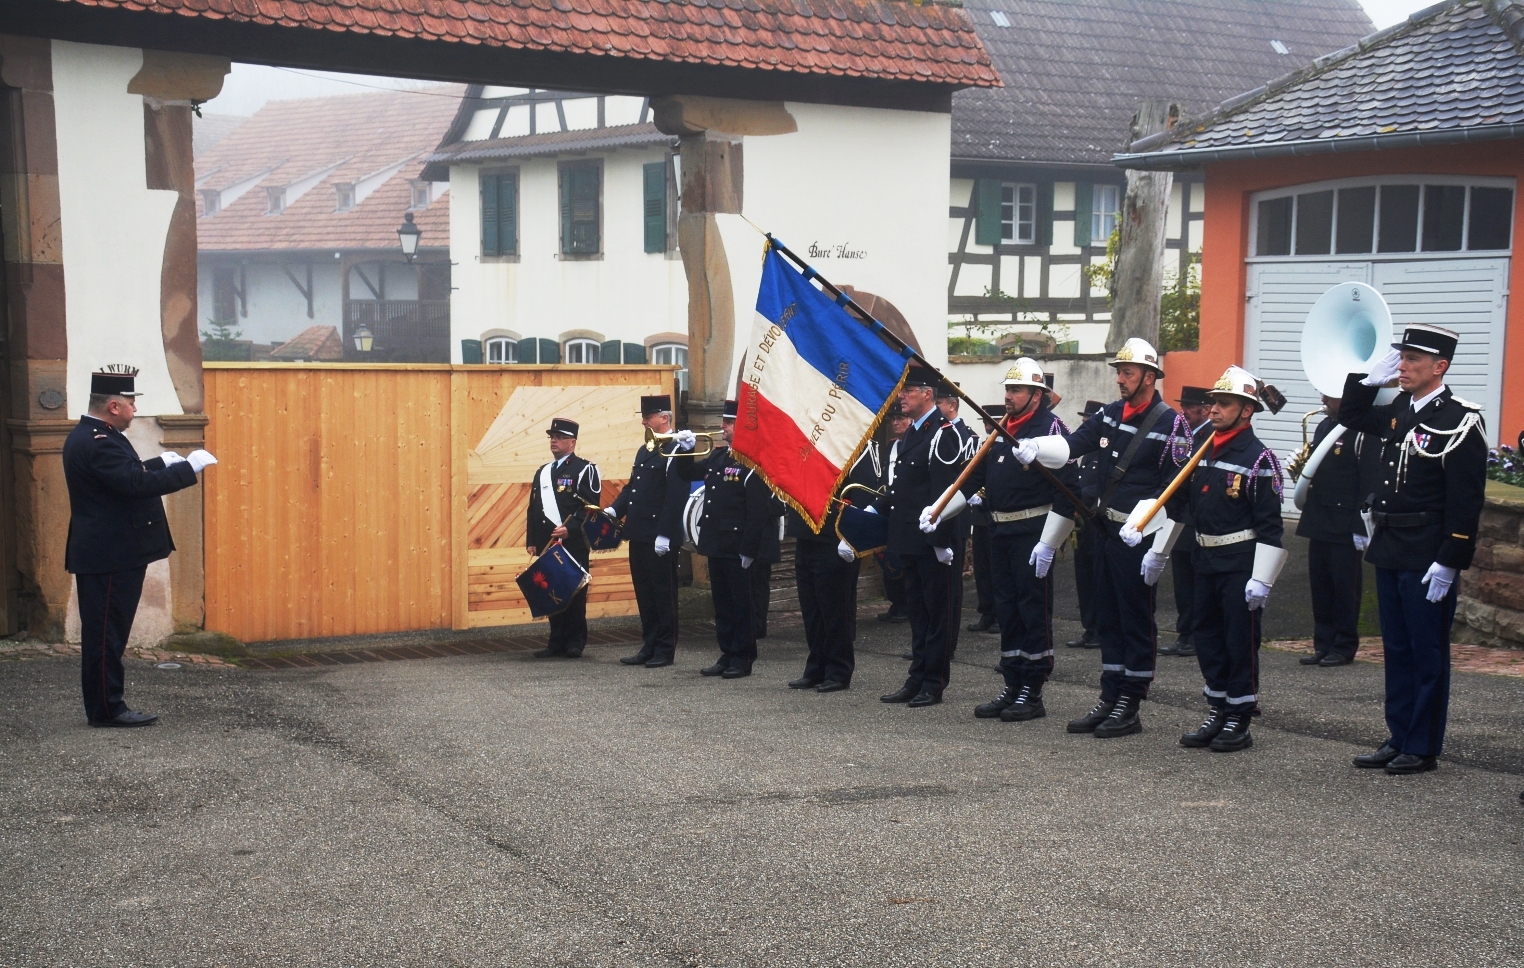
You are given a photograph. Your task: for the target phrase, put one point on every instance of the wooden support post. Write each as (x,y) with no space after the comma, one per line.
(1140,260)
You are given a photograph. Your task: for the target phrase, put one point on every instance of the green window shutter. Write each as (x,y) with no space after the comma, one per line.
(608,352)
(470,351)
(566,209)
(508,214)
(634,353)
(526,349)
(579,210)
(489,215)
(987,212)
(655,196)
(1045,214)
(1084,208)
(550,350)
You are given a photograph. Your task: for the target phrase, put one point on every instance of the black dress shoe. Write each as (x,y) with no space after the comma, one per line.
(127,717)
(574,653)
(1028,705)
(1313,659)
(1170,649)
(551,652)
(639,658)
(1185,648)
(1087,641)
(894,617)
(832,685)
(996,706)
(804,682)
(1410,763)
(1095,717)
(985,623)
(1123,721)
(908,656)
(904,695)
(1336,659)
(718,669)
(1207,731)
(736,672)
(924,699)
(1369,761)
(1234,735)
(659,662)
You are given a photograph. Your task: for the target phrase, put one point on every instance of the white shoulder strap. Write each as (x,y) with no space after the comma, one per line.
(548,505)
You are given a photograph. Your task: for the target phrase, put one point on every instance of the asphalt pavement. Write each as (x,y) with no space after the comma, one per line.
(499,810)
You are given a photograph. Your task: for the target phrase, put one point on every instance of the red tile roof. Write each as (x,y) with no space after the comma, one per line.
(355,135)
(879,39)
(312,343)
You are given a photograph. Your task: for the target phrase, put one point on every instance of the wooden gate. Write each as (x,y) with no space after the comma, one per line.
(353,499)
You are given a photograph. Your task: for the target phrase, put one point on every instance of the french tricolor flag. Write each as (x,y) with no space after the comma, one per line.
(814,384)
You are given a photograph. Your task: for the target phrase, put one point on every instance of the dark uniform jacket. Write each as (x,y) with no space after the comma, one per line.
(927,463)
(977,517)
(577,484)
(1426,507)
(1010,485)
(867,472)
(738,507)
(1164,452)
(116,519)
(1237,488)
(652,502)
(1336,491)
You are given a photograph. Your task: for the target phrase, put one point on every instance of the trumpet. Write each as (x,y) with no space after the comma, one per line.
(840,498)
(703,449)
(1298,460)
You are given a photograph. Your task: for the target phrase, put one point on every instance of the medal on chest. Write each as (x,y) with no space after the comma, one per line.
(1235,487)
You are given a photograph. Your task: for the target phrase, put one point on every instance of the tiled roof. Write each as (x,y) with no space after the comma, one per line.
(1074,70)
(1453,71)
(879,39)
(553,142)
(209,128)
(345,139)
(312,343)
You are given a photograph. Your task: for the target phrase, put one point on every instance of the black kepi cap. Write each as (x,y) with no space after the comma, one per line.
(730,410)
(896,412)
(1195,397)
(1092,407)
(922,376)
(561,427)
(945,391)
(1429,339)
(995,410)
(660,403)
(115,380)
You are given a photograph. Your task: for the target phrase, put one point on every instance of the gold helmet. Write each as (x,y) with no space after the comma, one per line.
(1025,373)
(1141,352)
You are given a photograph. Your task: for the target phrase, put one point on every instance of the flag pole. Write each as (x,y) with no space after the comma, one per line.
(847,302)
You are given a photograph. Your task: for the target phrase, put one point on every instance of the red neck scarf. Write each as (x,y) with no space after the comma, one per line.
(1221,439)
(1013,424)
(1129,411)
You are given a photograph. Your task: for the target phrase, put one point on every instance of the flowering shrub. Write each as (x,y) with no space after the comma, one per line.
(1505,464)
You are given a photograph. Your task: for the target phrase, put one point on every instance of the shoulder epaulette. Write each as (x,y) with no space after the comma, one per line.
(1467,403)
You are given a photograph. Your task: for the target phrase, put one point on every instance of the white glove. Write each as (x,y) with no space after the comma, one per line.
(200,460)
(1026,450)
(928,525)
(845,551)
(1384,370)
(977,501)
(1042,559)
(871,509)
(1361,542)
(1153,566)
(170,458)
(686,440)
(663,544)
(944,555)
(1439,578)
(1256,594)
(611,512)
(1131,536)
(745,562)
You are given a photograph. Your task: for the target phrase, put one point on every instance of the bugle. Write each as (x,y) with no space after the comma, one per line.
(655,440)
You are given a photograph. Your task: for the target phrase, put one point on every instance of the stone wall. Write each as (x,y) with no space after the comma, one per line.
(1491,610)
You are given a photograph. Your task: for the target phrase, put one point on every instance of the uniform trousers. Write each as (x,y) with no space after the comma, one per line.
(934,602)
(984,586)
(655,579)
(1085,564)
(761,573)
(893,571)
(1024,608)
(828,603)
(1337,572)
(730,586)
(1124,617)
(107,605)
(1415,635)
(1183,570)
(568,627)
(1226,637)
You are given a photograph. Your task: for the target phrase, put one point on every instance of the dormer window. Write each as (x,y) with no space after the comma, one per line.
(422,194)
(211,202)
(344,196)
(275,200)
(999,18)
(1279,47)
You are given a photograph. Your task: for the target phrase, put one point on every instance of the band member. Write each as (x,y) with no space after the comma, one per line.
(1194,404)
(888,562)
(1031,520)
(737,513)
(652,507)
(979,523)
(562,491)
(1426,508)
(1336,538)
(1140,443)
(1086,545)
(929,459)
(1234,496)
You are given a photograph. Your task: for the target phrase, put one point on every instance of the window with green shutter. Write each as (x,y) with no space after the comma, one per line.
(1084,195)
(655,200)
(500,214)
(1045,214)
(987,211)
(579,209)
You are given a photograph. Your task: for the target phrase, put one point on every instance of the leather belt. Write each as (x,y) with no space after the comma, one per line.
(1006,517)
(1219,540)
(1410,519)
(1120,517)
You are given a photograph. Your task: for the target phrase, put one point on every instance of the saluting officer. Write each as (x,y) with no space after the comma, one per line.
(1194,404)
(562,491)
(1030,521)
(929,459)
(1336,538)
(1234,498)
(117,525)
(1087,546)
(1428,502)
(652,507)
(1140,443)
(731,532)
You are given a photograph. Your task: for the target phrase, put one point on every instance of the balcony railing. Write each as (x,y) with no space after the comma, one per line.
(403,330)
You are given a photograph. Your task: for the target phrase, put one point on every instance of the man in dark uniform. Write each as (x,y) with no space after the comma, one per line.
(1194,404)
(117,525)
(1234,495)
(760,574)
(1426,509)
(888,562)
(1336,538)
(929,459)
(562,491)
(1031,520)
(737,513)
(652,507)
(1140,443)
(979,523)
(1087,546)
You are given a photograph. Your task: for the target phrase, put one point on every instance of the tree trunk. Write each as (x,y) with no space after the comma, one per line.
(1140,258)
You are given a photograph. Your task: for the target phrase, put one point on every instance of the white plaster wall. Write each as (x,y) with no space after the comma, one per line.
(277,311)
(1076,380)
(113,228)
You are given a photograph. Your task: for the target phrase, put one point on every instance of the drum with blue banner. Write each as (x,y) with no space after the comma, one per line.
(602,532)
(865,531)
(551,581)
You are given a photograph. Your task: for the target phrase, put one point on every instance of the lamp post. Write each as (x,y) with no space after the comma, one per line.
(407,234)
